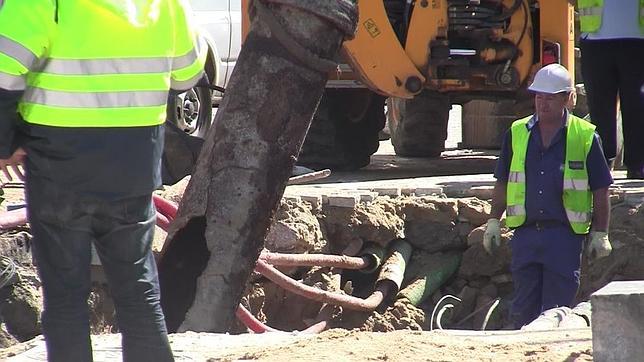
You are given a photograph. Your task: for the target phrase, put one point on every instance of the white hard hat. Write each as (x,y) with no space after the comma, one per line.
(553,78)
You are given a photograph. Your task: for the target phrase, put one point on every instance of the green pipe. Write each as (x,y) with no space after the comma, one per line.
(430,277)
(374,253)
(393,269)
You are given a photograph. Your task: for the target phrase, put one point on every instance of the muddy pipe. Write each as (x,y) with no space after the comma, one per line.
(374,253)
(309,292)
(393,268)
(322,260)
(432,275)
(247,158)
(13,218)
(368,261)
(388,283)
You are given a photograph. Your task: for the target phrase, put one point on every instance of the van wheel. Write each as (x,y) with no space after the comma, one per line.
(191,111)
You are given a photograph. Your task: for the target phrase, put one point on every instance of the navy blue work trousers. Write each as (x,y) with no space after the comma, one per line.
(545,268)
(63,226)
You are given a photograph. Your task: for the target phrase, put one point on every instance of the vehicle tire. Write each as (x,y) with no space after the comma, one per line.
(344,132)
(188,121)
(191,111)
(418,126)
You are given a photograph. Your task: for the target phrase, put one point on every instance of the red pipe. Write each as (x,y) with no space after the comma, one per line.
(256,326)
(320,295)
(334,261)
(13,218)
(165,207)
(162,221)
(251,322)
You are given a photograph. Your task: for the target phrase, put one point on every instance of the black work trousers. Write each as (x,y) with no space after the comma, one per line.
(64,225)
(613,68)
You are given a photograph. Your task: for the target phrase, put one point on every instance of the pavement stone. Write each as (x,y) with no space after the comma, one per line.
(618,322)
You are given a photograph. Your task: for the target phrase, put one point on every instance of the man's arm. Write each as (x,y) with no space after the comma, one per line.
(601,210)
(501,173)
(11,156)
(9,119)
(599,179)
(499,199)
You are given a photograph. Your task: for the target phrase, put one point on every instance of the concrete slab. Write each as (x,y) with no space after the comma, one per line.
(349,201)
(618,322)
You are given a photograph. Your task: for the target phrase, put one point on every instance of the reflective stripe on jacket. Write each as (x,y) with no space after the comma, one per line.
(577,196)
(100,63)
(590,15)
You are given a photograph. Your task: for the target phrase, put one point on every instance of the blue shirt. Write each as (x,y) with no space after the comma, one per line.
(544,172)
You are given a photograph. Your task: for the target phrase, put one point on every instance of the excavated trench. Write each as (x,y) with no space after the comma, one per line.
(445,261)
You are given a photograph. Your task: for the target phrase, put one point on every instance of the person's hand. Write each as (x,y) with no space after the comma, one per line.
(13,163)
(492,236)
(599,246)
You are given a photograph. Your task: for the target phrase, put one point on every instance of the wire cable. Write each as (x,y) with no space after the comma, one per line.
(8,272)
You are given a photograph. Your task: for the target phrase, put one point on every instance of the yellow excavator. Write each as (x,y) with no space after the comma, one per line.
(411,60)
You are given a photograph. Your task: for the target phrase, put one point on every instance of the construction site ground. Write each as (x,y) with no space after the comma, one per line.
(459,173)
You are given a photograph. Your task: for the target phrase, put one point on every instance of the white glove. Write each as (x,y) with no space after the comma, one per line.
(492,236)
(599,246)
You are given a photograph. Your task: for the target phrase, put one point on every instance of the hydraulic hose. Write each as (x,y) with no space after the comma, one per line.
(257,326)
(163,221)
(320,295)
(165,207)
(13,218)
(334,261)
(252,323)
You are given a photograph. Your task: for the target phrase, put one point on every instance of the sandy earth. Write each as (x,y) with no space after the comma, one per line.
(343,345)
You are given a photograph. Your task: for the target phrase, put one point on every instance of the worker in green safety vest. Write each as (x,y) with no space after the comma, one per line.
(612,64)
(552,183)
(83,92)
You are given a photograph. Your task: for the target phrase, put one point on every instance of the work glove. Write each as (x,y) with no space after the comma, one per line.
(599,246)
(492,236)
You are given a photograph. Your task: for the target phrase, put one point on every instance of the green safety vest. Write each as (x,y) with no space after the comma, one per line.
(577,196)
(97,63)
(590,15)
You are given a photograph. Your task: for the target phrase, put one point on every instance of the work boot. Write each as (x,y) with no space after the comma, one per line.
(635,173)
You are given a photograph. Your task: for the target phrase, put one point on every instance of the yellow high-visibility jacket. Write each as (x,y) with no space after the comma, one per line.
(97,63)
(590,15)
(577,196)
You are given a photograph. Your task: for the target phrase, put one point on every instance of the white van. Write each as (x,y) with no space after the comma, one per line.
(219,22)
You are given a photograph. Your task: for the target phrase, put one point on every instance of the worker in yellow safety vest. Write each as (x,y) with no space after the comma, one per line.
(612,51)
(552,183)
(83,92)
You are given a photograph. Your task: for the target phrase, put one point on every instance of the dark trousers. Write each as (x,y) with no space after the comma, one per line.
(611,68)
(63,226)
(545,270)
